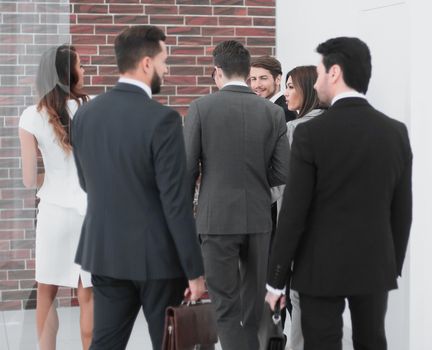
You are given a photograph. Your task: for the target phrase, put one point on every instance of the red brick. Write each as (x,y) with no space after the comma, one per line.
(194,40)
(26,7)
(14,255)
(104,80)
(255,31)
(179,60)
(111,29)
(89,39)
(163,2)
(4,245)
(15,234)
(11,183)
(19,294)
(201,21)
(193,90)
(82,29)
(8,7)
(16,225)
(268,3)
(154,19)
(181,100)
(205,81)
(193,2)
(230,11)
(105,60)
(262,11)
(53,8)
(235,21)
(261,41)
(227,2)
(217,40)
(260,51)
(93,19)
(21,274)
(128,19)
(179,80)
(122,1)
(161,10)
(9,285)
(9,152)
(3,275)
(27,284)
(264,22)
(183,31)
(186,50)
(205,60)
(90,8)
(106,50)
(225,31)
(161,99)
(132,9)
(16,39)
(12,265)
(184,70)
(87,1)
(108,70)
(20,18)
(195,10)
(10,305)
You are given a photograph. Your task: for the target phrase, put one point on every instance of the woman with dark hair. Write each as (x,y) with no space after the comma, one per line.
(301,98)
(46,126)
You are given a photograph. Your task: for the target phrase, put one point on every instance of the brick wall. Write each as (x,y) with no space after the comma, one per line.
(193,28)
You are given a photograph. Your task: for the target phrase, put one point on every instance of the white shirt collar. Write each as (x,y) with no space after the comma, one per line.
(235,82)
(276,96)
(347,94)
(138,83)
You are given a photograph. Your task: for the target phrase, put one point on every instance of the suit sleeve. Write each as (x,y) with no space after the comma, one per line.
(278,169)
(296,204)
(192,137)
(170,170)
(401,209)
(73,136)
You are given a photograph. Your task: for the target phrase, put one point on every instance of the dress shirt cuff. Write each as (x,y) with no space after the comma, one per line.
(275,291)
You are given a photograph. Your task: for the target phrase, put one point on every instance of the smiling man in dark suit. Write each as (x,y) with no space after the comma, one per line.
(138,239)
(346,214)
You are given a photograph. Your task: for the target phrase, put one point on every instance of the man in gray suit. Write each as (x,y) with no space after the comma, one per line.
(237,141)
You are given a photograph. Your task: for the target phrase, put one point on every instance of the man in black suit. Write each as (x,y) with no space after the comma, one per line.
(265,80)
(346,214)
(139,238)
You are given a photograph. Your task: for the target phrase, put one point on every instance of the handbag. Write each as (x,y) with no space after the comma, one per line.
(190,326)
(270,333)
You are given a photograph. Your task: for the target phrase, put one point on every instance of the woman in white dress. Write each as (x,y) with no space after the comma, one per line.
(300,97)
(46,126)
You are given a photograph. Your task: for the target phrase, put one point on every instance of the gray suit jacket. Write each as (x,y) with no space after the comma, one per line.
(238,139)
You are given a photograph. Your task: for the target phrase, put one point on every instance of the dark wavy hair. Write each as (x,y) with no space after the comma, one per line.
(303,79)
(233,58)
(56,83)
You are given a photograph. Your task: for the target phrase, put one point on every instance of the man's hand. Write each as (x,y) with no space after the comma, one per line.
(272,299)
(196,289)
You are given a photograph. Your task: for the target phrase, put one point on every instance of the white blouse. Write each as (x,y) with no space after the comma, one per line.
(61,185)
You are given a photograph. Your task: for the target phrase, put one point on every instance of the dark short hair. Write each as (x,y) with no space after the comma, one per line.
(269,63)
(135,43)
(354,58)
(233,58)
(304,78)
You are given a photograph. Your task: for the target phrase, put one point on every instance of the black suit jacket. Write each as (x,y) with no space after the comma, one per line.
(346,212)
(289,115)
(131,161)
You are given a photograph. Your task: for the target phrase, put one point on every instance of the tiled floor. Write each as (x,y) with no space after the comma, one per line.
(18,331)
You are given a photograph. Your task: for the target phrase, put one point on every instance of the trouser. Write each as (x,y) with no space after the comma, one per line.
(322,323)
(116,306)
(236,269)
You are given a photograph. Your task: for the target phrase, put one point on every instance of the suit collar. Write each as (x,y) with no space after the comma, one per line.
(238,88)
(129,88)
(350,101)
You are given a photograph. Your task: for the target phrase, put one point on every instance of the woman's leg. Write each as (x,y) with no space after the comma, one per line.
(46,316)
(85,299)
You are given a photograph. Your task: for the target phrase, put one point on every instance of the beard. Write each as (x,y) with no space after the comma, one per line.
(155,83)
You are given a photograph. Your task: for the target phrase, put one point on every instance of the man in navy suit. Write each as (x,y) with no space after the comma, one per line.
(139,238)
(346,212)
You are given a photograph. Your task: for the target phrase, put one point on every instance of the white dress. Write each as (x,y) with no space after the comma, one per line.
(62,206)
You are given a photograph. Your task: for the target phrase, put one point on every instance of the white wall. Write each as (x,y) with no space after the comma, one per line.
(397,34)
